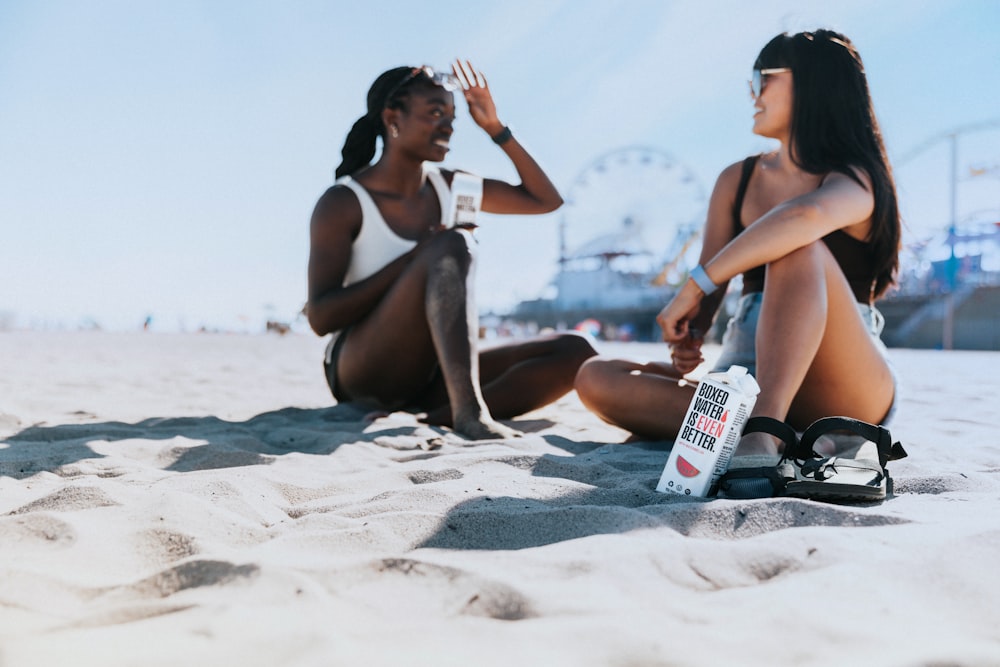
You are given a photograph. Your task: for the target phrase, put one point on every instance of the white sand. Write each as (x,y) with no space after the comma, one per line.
(199,500)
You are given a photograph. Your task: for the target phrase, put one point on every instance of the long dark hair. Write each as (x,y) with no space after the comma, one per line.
(389,91)
(834,129)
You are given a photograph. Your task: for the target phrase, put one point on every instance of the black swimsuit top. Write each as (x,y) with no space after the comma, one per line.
(854,256)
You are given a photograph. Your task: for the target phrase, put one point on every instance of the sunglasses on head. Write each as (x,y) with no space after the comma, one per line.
(445,80)
(759,77)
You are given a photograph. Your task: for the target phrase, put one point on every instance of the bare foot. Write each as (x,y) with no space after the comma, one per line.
(758,443)
(484,428)
(843,445)
(474,426)
(438,417)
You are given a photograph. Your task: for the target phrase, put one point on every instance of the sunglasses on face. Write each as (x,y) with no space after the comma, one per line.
(760,77)
(445,80)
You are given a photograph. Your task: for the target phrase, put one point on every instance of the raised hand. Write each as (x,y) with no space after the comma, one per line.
(477,94)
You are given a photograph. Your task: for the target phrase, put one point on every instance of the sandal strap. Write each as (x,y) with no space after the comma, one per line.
(775,427)
(752,480)
(887,449)
(817,468)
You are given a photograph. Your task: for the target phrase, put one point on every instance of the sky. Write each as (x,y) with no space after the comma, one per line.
(161,159)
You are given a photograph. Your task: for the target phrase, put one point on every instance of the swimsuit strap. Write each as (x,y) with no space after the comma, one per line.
(741,191)
(442,190)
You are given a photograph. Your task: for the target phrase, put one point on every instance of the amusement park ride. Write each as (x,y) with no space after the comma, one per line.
(630,231)
(949,292)
(622,276)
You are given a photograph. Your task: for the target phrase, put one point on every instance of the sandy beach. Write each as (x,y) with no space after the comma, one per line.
(200,500)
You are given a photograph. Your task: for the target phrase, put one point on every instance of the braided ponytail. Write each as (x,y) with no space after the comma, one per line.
(359,146)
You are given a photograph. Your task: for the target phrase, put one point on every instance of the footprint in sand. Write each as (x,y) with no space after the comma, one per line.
(144,599)
(193,574)
(735,567)
(946,483)
(166,546)
(69,498)
(450,588)
(742,520)
(40,528)
(428,476)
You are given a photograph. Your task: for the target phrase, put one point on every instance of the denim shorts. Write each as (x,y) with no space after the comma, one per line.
(739,346)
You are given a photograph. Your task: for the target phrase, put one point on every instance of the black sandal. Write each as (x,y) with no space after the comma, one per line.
(861,477)
(761,476)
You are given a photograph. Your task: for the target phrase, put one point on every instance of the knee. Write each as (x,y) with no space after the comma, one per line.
(453,244)
(576,347)
(798,263)
(591,380)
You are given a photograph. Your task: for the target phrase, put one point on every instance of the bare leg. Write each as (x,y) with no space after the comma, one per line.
(426,318)
(815,357)
(454,324)
(645,399)
(523,377)
(520,377)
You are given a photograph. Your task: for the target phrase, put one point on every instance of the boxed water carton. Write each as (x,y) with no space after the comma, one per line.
(710,432)
(466,199)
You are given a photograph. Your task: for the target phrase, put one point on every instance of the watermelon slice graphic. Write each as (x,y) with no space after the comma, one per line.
(686,469)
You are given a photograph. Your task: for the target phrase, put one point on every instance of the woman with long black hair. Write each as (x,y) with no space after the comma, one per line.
(813,228)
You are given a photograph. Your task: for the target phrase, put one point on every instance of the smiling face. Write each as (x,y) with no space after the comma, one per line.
(424,123)
(772,116)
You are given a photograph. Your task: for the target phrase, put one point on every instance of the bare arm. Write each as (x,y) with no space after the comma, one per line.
(718,233)
(839,203)
(335,222)
(686,353)
(536,193)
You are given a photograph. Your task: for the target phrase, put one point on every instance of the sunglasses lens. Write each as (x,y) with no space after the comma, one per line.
(755,83)
(446,80)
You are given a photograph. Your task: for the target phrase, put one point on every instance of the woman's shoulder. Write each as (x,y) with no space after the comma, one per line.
(729,178)
(736,170)
(339,204)
(854,172)
(339,194)
(447,174)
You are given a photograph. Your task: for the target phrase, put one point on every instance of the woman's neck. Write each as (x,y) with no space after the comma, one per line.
(780,161)
(396,175)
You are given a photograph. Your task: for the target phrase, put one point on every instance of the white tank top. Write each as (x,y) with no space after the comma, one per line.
(376,244)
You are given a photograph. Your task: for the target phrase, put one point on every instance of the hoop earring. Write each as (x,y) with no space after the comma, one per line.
(394,131)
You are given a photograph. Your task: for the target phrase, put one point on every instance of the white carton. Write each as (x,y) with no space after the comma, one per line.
(466,199)
(710,432)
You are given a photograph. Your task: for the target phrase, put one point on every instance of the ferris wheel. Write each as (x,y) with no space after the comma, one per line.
(633,200)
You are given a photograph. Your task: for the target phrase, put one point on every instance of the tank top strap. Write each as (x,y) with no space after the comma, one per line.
(741,191)
(442,190)
(368,207)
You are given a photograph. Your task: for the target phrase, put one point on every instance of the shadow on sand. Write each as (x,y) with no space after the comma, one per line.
(221,443)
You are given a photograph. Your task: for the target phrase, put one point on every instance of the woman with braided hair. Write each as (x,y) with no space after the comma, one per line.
(391,274)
